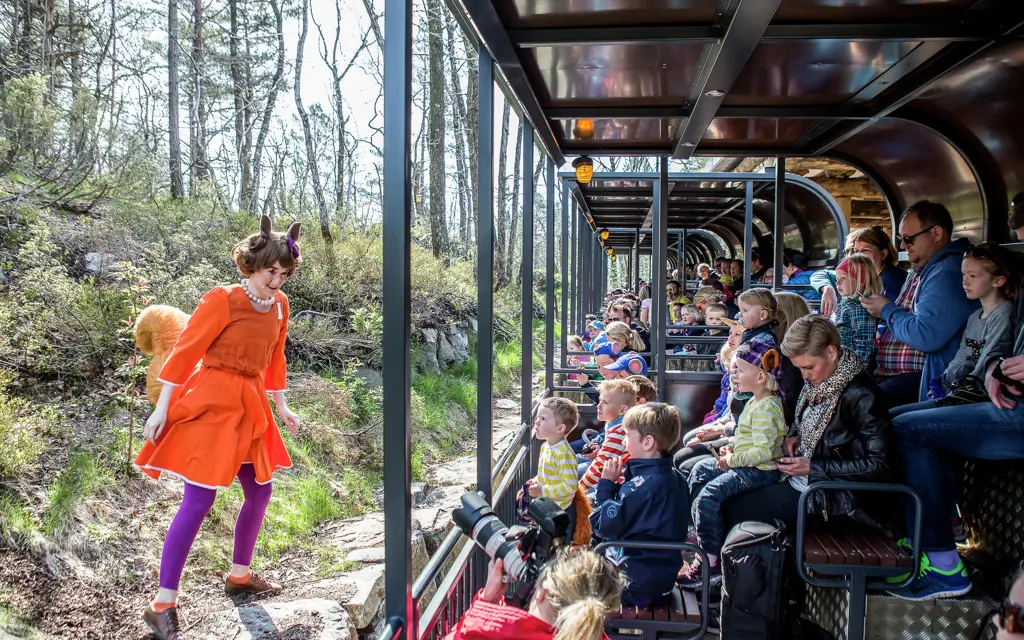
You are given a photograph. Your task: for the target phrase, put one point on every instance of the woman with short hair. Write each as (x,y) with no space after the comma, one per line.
(840,431)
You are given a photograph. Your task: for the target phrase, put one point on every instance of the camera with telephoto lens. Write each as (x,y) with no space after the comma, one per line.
(523,550)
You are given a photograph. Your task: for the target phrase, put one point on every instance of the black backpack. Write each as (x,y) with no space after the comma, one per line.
(762,596)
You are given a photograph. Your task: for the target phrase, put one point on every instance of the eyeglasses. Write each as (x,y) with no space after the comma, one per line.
(909,240)
(1011,617)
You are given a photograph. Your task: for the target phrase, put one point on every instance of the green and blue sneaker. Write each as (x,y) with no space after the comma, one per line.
(932,583)
(904,543)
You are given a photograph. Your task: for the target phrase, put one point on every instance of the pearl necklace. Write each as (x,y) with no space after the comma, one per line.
(260,301)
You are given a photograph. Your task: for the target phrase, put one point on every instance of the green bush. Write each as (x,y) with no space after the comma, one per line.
(21,431)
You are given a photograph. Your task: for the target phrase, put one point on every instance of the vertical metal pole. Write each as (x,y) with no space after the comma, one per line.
(526,371)
(679,260)
(485,275)
(596,271)
(748,233)
(658,246)
(780,212)
(574,251)
(397,219)
(682,254)
(564,243)
(549,305)
(636,258)
(629,270)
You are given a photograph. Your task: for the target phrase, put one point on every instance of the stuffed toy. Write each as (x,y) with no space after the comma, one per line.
(156,330)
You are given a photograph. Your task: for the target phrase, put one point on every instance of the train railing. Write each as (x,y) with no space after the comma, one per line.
(461,561)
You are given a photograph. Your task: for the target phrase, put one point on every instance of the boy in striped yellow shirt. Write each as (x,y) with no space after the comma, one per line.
(556,469)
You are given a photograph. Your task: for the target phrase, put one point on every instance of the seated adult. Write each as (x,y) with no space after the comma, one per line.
(575,592)
(794,267)
(840,432)
(933,441)
(645,306)
(873,242)
(674,295)
(924,324)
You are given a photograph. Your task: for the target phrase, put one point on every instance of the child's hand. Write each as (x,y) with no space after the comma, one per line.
(590,455)
(534,488)
(723,462)
(612,469)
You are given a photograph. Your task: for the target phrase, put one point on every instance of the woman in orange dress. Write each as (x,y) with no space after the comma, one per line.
(213,422)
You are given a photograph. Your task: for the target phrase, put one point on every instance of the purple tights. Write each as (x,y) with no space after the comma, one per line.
(197,503)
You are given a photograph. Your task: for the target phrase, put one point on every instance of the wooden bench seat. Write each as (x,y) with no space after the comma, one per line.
(861,549)
(683,607)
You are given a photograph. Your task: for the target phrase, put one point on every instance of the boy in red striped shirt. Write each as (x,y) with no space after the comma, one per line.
(617,397)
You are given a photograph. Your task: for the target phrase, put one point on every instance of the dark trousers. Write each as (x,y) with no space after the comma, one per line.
(901,389)
(931,443)
(718,487)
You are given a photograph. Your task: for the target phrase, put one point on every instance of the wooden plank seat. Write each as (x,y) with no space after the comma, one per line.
(867,549)
(683,606)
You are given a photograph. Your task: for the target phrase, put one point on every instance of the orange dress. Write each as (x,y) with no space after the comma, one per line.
(223,365)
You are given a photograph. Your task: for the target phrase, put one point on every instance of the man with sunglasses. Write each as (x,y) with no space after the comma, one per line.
(924,324)
(932,444)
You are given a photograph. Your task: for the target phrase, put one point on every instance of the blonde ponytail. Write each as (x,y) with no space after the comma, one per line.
(583,588)
(582,620)
(621,333)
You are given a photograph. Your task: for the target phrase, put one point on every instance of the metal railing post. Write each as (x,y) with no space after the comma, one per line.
(485,275)
(526,371)
(682,256)
(658,246)
(748,233)
(636,264)
(779,226)
(564,243)
(549,298)
(574,251)
(397,208)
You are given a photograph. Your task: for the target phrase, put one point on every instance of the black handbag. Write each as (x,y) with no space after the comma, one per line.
(966,390)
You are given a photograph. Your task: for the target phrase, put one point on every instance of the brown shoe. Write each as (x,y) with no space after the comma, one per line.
(163,625)
(255,584)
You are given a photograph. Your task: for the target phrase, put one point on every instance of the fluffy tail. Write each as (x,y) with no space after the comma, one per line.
(156,330)
(581,536)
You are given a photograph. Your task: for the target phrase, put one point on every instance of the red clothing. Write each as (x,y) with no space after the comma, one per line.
(486,621)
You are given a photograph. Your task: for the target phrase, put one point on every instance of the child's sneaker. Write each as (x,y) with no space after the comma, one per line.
(932,583)
(690,576)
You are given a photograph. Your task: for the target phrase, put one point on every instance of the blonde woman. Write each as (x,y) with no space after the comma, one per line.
(574,594)
(791,307)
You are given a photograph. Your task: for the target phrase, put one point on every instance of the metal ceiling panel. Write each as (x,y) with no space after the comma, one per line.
(641,131)
(580,13)
(813,72)
(767,132)
(595,75)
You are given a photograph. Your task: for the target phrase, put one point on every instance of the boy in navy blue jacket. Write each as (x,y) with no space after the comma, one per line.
(650,505)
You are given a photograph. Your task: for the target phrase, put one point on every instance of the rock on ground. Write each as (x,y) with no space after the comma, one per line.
(308,619)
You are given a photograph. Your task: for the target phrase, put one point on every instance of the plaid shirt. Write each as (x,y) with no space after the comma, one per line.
(895,357)
(857,329)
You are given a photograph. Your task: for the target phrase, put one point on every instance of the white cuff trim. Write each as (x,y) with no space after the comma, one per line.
(168,382)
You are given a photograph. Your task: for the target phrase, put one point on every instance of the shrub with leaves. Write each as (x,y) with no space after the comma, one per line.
(21,431)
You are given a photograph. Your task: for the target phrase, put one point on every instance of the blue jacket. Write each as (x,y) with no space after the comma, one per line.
(722,404)
(939,313)
(650,505)
(804,277)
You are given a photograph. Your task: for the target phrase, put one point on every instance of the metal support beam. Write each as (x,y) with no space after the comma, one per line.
(659,313)
(682,254)
(679,257)
(724,63)
(526,369)
(574,251)
(564,243)
(780,222)
(748,234)
(485,274)
(636,258)
(485,17)
(399,608)
(549,287)
(672,112)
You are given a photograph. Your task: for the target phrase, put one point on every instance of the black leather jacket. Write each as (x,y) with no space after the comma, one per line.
(855,447)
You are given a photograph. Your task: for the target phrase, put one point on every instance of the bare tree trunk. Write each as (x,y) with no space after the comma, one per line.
(517,173)
(240,93)
(502,208)
(435,140)
(458,123)
(472,134)
(177,184)
(268,109)
(318,191)
(197,128)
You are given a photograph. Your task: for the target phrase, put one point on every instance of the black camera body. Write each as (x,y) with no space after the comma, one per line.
(523,550)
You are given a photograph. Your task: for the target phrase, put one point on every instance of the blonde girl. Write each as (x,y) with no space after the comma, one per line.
(761,315)
(856,278)
(627,339)
(574,343)
(574,595)
(791,307)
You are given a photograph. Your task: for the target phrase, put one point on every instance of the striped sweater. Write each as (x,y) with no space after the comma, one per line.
(556,472)
(614,445)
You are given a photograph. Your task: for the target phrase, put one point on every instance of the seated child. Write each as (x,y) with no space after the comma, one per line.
(645,389)
(649,505)
(991,277)
(574,343)
(747,464)
(595,329)
(556,467)
(724,365)
(857,278)
(617,397)
(676,319)
(759,314)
